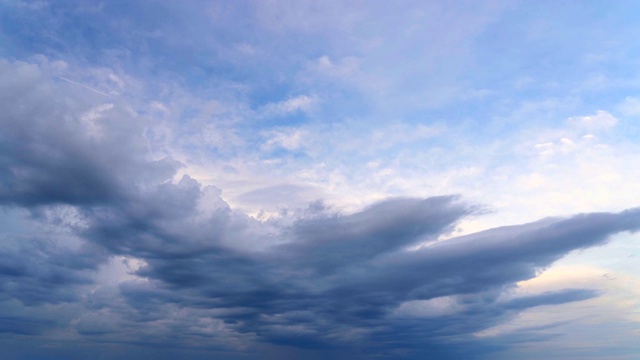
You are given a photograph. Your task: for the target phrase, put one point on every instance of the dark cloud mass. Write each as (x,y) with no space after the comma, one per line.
(204,277)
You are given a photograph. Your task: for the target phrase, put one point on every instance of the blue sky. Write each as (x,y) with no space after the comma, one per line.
(299,179)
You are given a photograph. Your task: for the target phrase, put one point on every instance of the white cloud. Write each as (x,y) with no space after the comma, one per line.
(601,120)
(630,106)
(289,139)
(91,120)
(545,149)
(301,103)
(345,68)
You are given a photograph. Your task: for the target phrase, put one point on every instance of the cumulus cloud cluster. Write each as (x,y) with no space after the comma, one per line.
(89,199)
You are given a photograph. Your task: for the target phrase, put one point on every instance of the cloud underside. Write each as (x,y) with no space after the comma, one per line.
(80,177)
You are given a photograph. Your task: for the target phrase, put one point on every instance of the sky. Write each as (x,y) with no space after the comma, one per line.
(294,179)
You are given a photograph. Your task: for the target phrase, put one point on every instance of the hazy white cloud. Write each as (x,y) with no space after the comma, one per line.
(344,69)
(601,120)
(301,103)
(289,139)
(630,106)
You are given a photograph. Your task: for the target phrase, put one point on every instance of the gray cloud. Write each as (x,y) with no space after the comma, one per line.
(213,278)
(68,148)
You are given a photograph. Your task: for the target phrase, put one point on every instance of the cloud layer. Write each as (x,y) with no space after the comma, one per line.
(294,179)
(110,246)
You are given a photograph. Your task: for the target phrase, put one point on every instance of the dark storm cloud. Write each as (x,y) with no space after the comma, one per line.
(288,300)
(551,298)
(213,277)
(37,271)
(331,243)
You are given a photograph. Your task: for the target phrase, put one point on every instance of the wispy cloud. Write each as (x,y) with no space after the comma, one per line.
(83,86)
(301,103)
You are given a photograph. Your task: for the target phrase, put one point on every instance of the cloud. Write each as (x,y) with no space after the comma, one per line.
(70,159)
(601,120)
(52,274)
(440,306)
(301,103)
(209,276)
(282,195)
(551,298)
(346,68)
(348,274)
(630,106)
(289,139)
